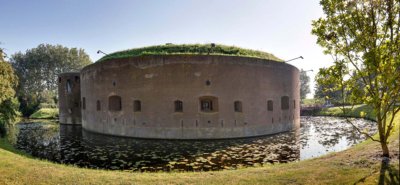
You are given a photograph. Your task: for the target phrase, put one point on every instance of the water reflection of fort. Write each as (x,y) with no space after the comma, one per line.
(103,151)
(70,144)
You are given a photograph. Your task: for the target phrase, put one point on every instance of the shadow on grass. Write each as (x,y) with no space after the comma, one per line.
(388,174)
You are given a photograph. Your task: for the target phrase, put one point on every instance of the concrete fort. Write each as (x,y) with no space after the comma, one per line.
(69,98)
(185,97)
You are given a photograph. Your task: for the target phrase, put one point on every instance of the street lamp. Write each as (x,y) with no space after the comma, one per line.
(301,57)
(99,51)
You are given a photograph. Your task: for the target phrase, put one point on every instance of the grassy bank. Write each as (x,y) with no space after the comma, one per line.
(190,49)
(358,111)
(359,164)
(45,113)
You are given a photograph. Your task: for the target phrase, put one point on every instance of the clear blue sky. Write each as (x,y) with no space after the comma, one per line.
(279,27)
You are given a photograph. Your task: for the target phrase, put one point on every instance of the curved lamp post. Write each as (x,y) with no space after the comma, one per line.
(300,57)
(99,51)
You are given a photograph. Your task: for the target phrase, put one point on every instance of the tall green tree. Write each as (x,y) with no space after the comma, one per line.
(326,91)
(38,68)
(8,104)
(304,84)
(8,79)
(363,38)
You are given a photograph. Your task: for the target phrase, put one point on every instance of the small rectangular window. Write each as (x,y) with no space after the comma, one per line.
(98,105)
(83,103)
(178,106)
(69,86)
(285,102)
(114,103)
(206,105)
(238,106)
(137,106)
(294,104)
(270,105)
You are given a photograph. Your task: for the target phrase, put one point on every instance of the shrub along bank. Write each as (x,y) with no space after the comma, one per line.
(45,113)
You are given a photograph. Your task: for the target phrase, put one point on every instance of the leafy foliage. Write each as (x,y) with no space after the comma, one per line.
(326,89)
(363,38)
(312,102)
(38,69)
(196,49)
(304,84)
(8,80)
(357,111)
(8,104)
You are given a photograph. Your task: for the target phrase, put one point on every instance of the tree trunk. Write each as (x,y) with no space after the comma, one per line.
(385,149)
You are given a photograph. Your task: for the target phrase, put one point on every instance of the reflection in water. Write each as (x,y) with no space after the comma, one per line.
(321,135)
(71,145)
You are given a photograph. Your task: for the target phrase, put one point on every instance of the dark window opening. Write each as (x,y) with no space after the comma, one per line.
(69,86)
(294,104)
(59,79)
(137,106)
(208,82)
(270,105)
(98,105)
(83,103)
(237,106)
(77,79)
(285,102)
(114,103)
(178,106)
(208,104)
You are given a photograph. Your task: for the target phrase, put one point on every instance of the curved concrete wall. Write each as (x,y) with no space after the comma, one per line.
(69,93)
(158,81)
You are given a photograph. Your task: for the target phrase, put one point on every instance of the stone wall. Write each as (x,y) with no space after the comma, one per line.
(69,93)
(190,97)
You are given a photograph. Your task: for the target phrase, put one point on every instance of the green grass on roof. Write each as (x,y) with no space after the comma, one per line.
(190,49)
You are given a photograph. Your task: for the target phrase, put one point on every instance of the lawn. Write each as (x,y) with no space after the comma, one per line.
(359,111)
(359,164)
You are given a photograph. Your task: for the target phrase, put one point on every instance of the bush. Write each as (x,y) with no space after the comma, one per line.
(47,105)
(8,113)
(45,113)
(29,104)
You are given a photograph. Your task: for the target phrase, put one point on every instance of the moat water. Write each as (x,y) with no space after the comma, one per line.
(72,145)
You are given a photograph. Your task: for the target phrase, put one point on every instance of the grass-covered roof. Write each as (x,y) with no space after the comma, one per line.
(190,49)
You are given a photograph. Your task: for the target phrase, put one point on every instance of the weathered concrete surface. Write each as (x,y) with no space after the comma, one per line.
(158,81)
(69,109)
